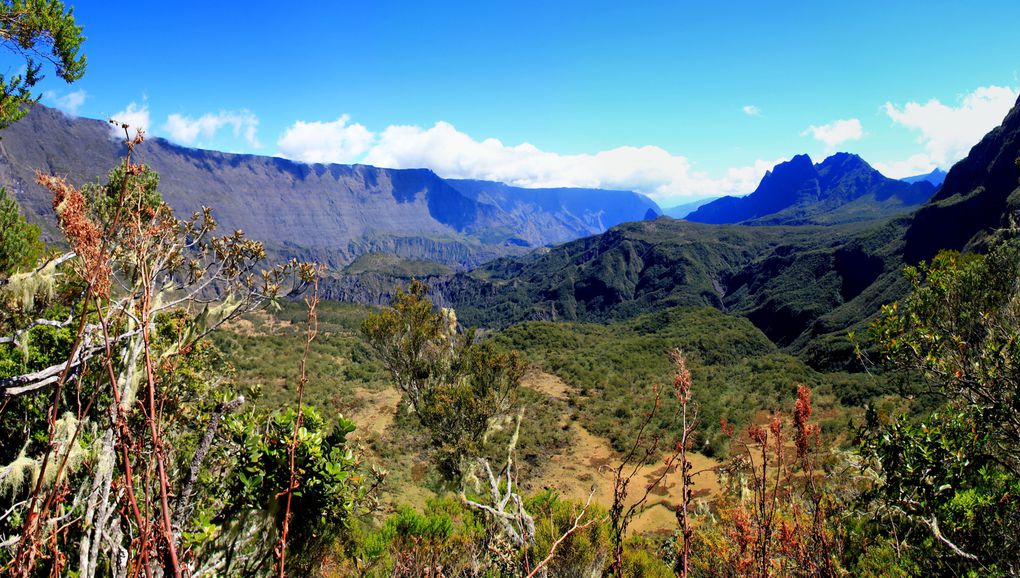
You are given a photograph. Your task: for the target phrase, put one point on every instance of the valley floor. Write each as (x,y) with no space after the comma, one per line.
(587,460)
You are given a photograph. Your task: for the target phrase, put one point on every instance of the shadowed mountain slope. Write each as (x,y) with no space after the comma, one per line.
(979,196)
(631,269)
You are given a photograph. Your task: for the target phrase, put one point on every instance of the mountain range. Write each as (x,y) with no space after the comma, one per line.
(935,177)
(329,213)
(814,251)
(334,213)
(803,286)
(841,189)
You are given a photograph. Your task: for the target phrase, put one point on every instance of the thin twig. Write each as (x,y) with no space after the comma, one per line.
(313,327)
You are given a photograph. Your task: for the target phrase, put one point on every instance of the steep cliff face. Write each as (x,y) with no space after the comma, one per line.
(979,195)
(330,213)
(50,142)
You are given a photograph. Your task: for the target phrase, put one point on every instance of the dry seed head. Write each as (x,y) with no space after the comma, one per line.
(84,236)
(682,376)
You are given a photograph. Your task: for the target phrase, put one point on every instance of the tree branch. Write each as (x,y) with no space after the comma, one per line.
(573,528)
(187,490)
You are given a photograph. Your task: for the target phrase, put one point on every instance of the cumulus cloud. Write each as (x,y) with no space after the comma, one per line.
(68,103)
(187,130)
(917,164)
(836,132)
(751,110)
(325,142)
(948,132)
(455,154)
(134,115)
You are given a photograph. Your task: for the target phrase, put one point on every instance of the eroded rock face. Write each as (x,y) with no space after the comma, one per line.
(330,213)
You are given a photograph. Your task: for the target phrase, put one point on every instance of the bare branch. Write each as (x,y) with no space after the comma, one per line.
(186,496)
(37,323)
(573,528)
(934,525)
(526,531)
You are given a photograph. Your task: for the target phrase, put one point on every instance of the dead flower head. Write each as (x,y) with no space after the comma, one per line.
(84,236)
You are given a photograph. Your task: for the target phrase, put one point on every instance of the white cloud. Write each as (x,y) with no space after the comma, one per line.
(187,130)
(918,164)
(68,103)
(836,132)
(135,116)
(751,110)
(949,132)
(454,154)
(325,142)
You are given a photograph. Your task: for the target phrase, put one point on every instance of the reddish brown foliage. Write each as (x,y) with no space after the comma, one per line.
(85,237)
(757,434)
(801,415)
(726,427)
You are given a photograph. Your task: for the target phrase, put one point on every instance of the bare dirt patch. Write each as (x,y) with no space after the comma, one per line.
(241,326)
(589,459)
(255,324)
(586,461)
(547,383)
(375,410)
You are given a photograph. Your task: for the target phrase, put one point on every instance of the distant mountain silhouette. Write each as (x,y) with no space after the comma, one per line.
(935,177)
(681,211)
(841,189)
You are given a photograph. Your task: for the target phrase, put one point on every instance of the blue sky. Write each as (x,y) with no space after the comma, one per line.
(675,99)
